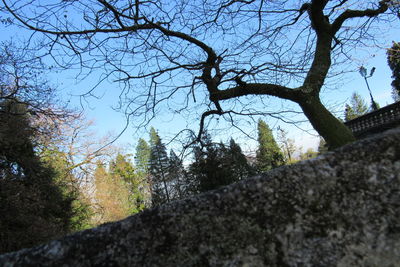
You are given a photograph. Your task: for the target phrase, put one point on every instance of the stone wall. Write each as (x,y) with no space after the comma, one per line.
(341,209)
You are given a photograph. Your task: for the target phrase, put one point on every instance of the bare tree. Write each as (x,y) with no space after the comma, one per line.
(221,57)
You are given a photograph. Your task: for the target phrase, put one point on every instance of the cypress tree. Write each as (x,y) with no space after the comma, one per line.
(269,155)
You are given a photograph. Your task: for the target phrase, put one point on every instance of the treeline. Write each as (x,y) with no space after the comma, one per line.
(55,180)
(156,176)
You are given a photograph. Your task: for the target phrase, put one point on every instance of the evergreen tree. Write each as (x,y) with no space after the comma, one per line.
(159,165)
(142,157)
(33,208)
(177,176)
(356,108)
(269,155)
(393,56)
(216,165)
(208,169)
(237,161)
(142,163)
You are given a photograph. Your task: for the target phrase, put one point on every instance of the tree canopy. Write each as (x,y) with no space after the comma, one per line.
(356,108)
(205,59)
(393,54)
(269,154)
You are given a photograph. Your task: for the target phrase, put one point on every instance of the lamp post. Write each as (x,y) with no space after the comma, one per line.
(363,72)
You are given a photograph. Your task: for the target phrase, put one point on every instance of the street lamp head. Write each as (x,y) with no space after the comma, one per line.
(363,71)
(372,72)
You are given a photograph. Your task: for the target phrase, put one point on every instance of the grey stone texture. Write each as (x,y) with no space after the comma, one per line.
(341,209)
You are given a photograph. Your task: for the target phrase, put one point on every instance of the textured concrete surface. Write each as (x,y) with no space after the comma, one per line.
(341,209)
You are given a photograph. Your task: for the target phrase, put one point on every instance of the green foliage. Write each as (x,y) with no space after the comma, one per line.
(142,157)
(393,57)
(159,170)
(216,165)
(178,177)
(309,154)
(122,169)
(68,184)
(269,155)
(33,208)
(356,108)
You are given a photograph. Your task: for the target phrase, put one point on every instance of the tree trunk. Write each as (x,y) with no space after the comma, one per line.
(335,133)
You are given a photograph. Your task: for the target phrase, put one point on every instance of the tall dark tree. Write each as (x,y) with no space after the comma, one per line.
(237,161)
(178,176)
(269,155)
(208,169)
(216,165)
(159,170)
(285,49)
(393,56)
(33,208)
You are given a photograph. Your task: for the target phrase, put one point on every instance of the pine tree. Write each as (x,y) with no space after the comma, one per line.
(159,165)
(356,108)
(269,155)
(393,56)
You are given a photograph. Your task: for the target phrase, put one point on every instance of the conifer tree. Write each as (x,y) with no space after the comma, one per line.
(142,157)
(208,168)
(393,56)
(142,164)
(216,165)
(29,193)
(178,176)
(356,108)
(239,165)
(158,169)
(269,155)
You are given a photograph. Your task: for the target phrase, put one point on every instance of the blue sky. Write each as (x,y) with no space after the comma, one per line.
(335,96)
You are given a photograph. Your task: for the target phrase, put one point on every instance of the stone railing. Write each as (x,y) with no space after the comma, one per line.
(376,121)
